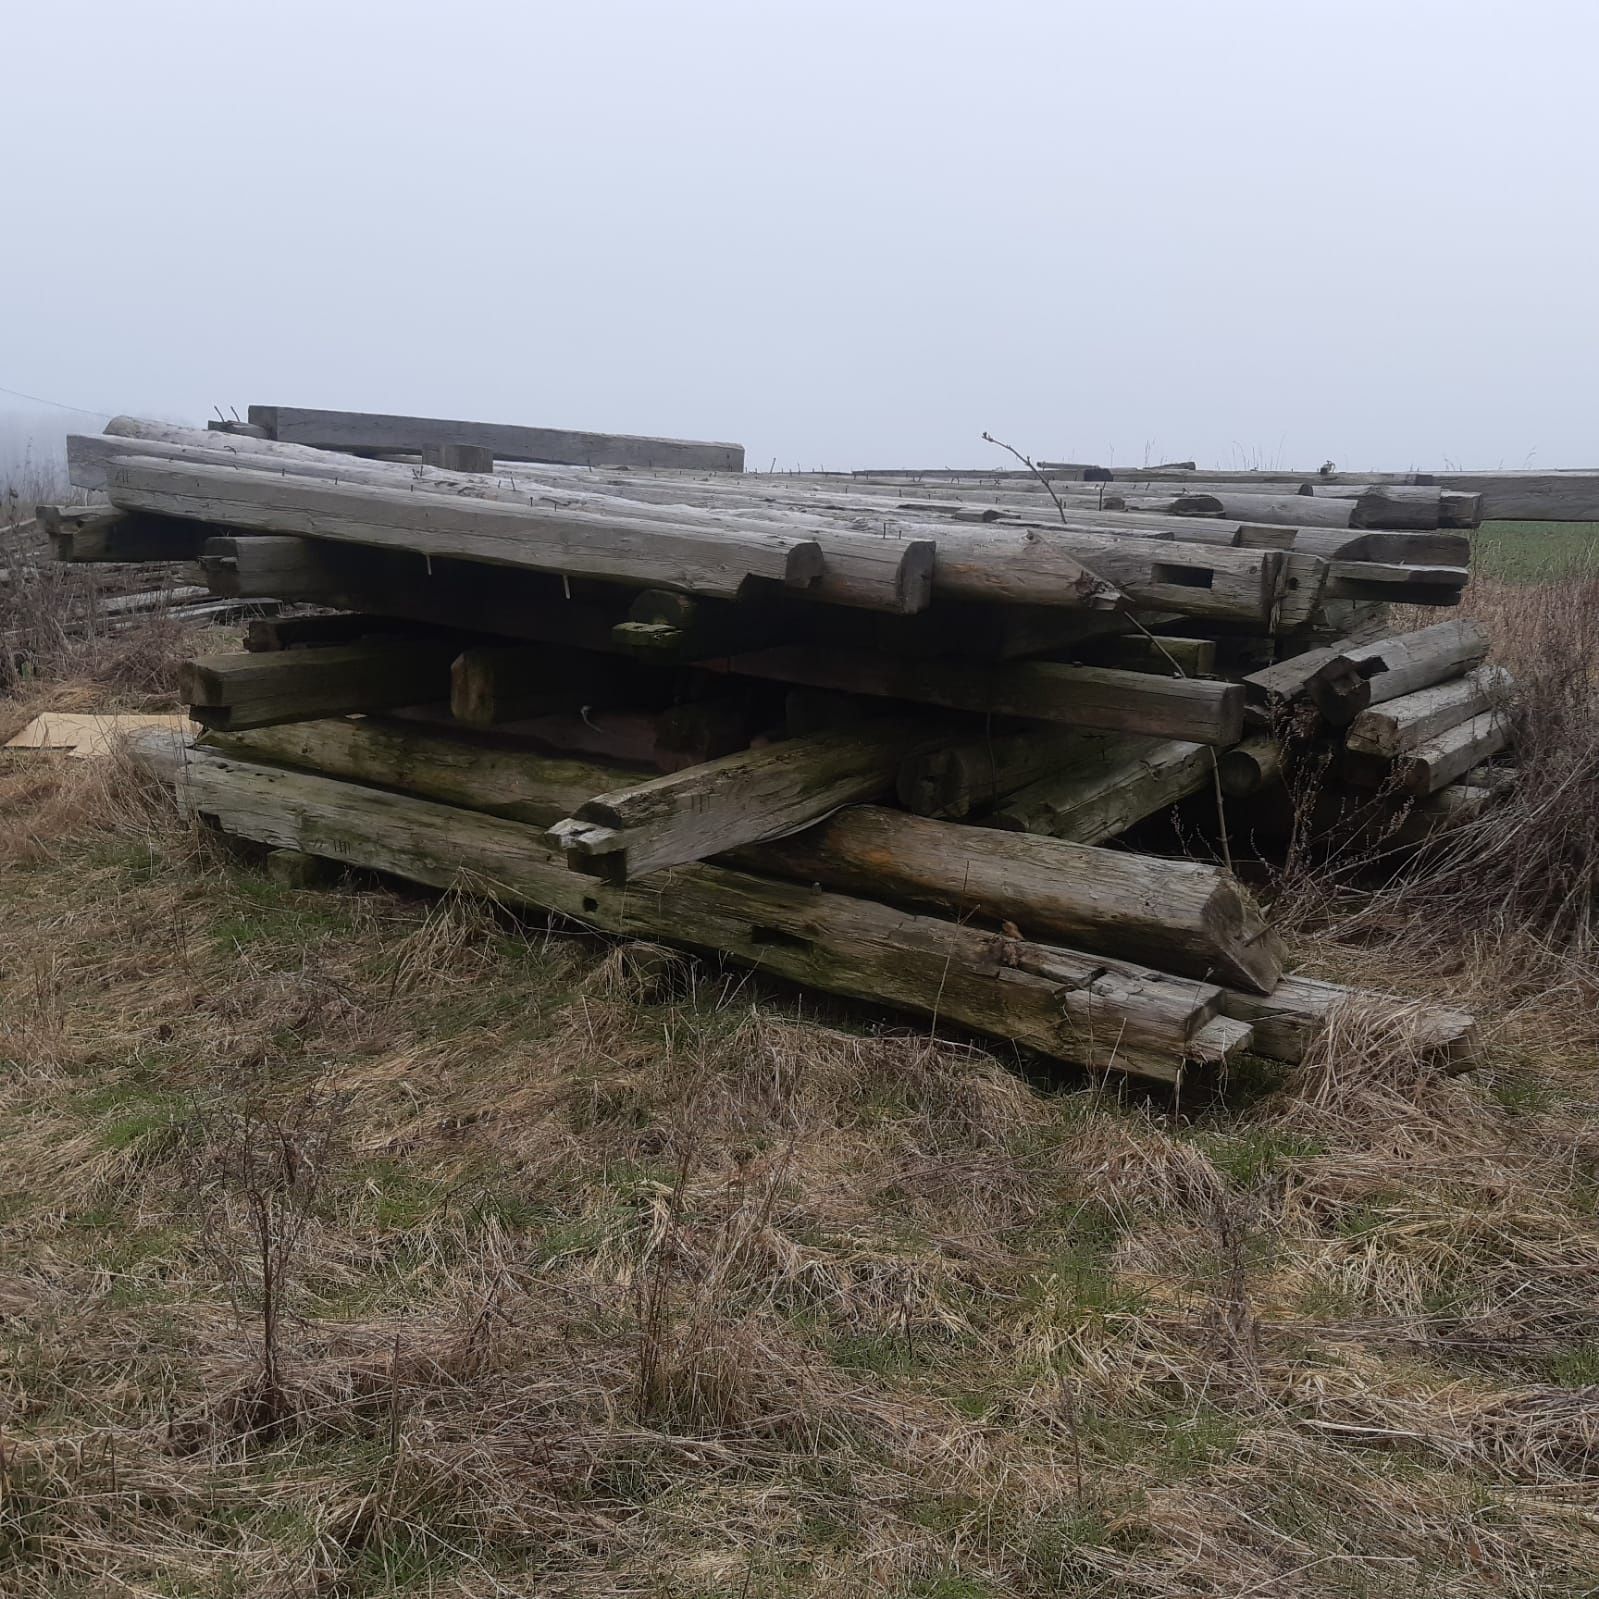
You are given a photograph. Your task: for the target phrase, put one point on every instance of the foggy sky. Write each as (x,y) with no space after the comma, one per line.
(1254,232)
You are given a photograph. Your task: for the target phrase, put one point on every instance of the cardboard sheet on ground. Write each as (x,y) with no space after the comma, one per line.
(89,735)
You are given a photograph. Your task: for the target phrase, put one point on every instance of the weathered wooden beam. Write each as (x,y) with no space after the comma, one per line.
(740,799)
(475,770)
(1403,584)
(461,595)
(237,691)
(873,569)
(496,683)
(1441,548)
(458,457)
(573,543)
(275,566)
(1289,1020)
(1530,496)
(1155,652)
(968,775)
(358,431)
(1107,790)
(123,536)
(1402,664)
(1080,696)
(1044,566)
(1434,762)
(1250,766)
(1285,510)
(1399,725)
(1180,916)
(1084,1009)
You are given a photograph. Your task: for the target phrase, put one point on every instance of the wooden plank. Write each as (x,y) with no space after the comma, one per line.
(1409,661)
(1400,724)
(1437,761)
(237,691)
(740,799)
(1089,1010)
(968,775)
(870,568)
(1180,916)
(1080,696)
(1289,1020)
(1120,782)
(1530,496)
(461,595)
(477,770)
(123,536)
(358,431)
(1145,652)
(1187,579)
(573,543)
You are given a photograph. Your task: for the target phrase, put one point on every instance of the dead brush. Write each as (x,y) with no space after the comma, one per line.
(266,1174)
(54,627)
(698,1366)
(52,806)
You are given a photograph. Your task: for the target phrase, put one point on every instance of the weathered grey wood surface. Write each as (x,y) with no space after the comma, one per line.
(965,776)
(1400,724)
(1181,916)
(1119,783)
(575,543)
(358,431)
(228,692)
(874,567)
(1290,1019)
(1047,691)
(475,770)
(1410,661)
(1434,762)
(738,800)
(1250,766)
(1085,1009)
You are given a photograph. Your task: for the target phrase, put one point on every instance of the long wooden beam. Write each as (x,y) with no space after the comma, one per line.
(1089,1010)
(480,771)
(1182,916)
(1398,725)
(738,800)
(1110,788)
(859,568)
(377,433)
(576,543)
(256,690)
(1103,697)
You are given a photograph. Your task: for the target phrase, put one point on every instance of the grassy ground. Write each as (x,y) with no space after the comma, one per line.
(1532,552)
(365,1243)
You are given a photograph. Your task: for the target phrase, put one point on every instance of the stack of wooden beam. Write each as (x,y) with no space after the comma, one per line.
(1400,734)
(872,736)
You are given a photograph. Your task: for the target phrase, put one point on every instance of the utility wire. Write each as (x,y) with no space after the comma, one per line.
(39,399)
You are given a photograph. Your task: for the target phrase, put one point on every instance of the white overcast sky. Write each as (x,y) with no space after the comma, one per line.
(1255,232)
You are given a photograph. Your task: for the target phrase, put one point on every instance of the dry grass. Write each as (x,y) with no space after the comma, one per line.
(365,1243)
